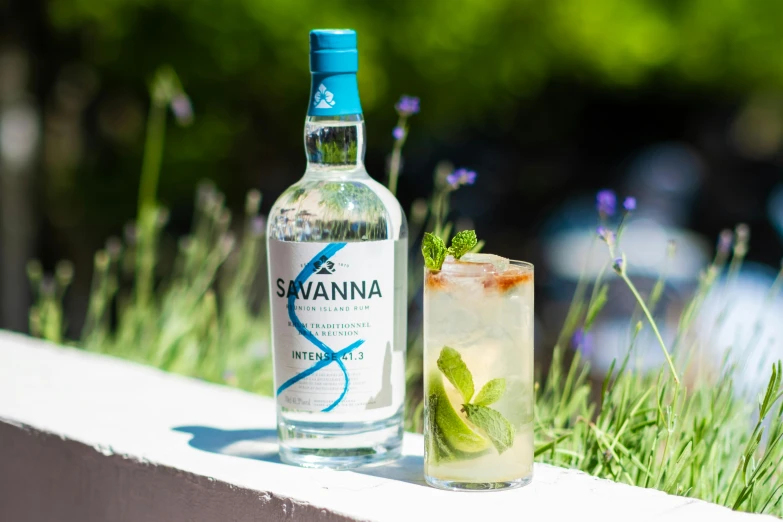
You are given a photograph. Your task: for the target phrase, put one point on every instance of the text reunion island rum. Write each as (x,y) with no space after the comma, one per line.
(337,248)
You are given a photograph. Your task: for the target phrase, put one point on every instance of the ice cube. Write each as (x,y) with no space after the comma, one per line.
(499,264)
(458,268)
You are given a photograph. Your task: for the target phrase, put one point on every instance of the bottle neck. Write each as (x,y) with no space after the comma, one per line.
(334,130)
(335,143)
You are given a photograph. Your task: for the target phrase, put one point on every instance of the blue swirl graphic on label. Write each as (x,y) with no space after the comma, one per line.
(335,357)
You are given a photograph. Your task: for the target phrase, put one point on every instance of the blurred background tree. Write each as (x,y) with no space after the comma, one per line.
(548,101)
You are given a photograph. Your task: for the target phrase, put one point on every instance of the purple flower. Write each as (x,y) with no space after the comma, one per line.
(398,133)
(182,109)
(618,265)
(629,204)
(583,342)
(725,240)
(461,177)
(606,202)
(407,106)
(605,234)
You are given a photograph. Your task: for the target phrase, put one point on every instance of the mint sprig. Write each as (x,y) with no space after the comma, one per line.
(434,249)
(462,243)
(489,422)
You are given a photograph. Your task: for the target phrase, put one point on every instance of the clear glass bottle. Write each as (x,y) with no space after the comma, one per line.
(337,248)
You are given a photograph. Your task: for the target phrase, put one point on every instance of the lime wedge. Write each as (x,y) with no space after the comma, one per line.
(453,428)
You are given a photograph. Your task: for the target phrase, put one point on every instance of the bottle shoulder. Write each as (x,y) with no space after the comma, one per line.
(337,206)
(392,205)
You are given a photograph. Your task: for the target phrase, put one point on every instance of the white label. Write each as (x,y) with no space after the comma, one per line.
(332,324)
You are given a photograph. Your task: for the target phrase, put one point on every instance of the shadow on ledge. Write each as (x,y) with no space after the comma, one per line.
(248,444)
(261,444)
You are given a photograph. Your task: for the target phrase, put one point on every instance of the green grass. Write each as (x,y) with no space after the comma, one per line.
(199,313)
(694,435)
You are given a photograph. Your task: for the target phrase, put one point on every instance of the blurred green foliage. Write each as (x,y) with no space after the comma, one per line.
(473,62)
(481,49)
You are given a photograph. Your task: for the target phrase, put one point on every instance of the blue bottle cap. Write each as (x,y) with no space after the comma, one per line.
(334,62)
(333,51)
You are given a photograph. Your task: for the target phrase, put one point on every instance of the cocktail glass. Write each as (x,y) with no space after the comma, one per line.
(478,373)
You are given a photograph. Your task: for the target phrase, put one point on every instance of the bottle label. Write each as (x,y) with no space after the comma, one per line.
(332,310)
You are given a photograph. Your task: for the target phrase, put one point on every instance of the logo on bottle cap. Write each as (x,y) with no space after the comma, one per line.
(323,99)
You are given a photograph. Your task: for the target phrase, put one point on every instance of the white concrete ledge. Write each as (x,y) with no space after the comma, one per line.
(91,438)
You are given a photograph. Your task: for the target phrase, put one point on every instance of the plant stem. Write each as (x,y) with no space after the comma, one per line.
(440,211)
(394,169)
(647,313)
(148,187)
(396,157)
(153,157)
(575,308)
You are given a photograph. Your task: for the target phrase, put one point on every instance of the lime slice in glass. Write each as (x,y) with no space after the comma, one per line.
(453,427)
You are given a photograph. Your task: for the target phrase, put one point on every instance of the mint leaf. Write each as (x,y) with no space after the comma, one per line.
(462,243)
(493,423)
(453,367)
(491,392)
(434,251)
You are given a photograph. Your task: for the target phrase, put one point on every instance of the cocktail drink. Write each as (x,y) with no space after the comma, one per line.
(478,373)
